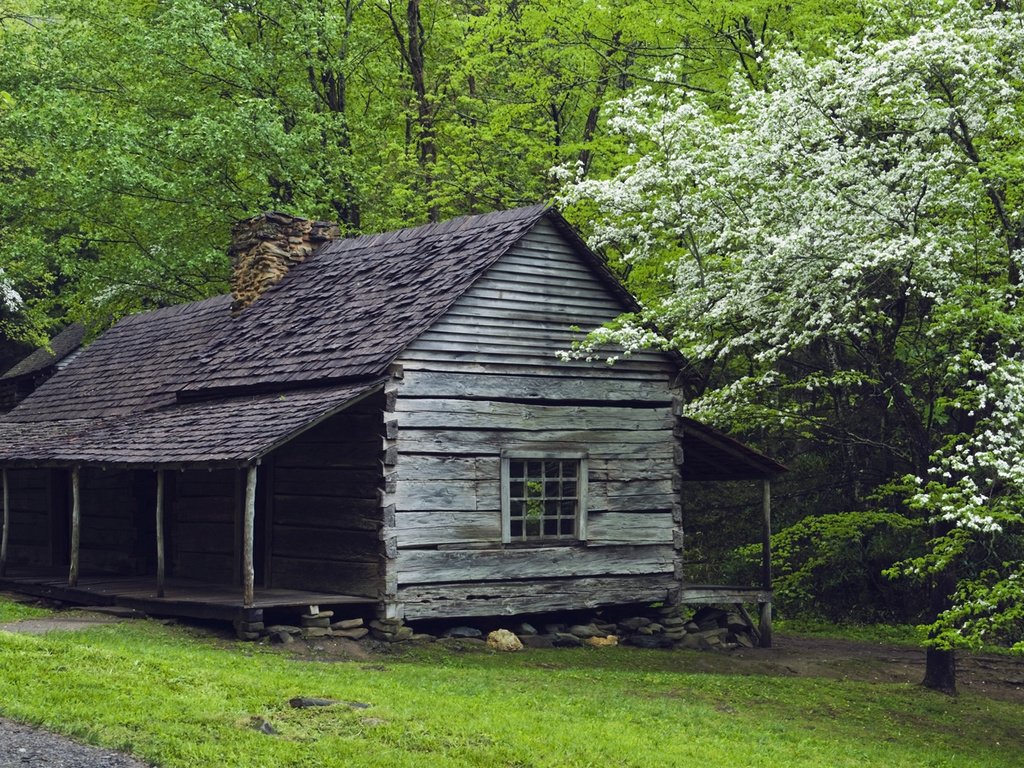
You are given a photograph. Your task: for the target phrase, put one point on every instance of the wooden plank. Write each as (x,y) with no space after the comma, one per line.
(204,509)
(477,414)
(445,360)
(325,544)
(511,598)
(487,442)
(711,594)
(530,386)
(413,467)
(435,566)
(349,483)
(353,578)
(629,528)
(211,537)
(424,495)
(327,512)
(76,525)
(433,527)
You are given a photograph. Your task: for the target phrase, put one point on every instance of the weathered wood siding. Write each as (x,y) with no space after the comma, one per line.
(486,378)
(29,542)
(326,519)
(202,527)
(109,537)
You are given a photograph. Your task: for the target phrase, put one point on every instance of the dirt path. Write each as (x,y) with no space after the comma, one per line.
(21,746)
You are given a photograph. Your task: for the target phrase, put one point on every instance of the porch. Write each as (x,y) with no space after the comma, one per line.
(182,598)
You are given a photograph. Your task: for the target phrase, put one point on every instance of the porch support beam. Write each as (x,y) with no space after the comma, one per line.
(76,524)
(7,523)
(248,528)
(766,563)
(159,533)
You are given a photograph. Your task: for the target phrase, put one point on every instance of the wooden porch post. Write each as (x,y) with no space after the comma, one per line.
(7,524)
(76,519)
(159,533)
(766,563)
(248,528)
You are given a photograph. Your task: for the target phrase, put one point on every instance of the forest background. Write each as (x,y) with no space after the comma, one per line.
(817,201)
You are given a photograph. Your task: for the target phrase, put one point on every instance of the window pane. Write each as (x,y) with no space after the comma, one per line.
(569,489)
(569,468)
(515,468)
(515,509)
(568,507)
(515,528)
(515,489)
(551,468)
(532,526)
(551,489)
(567,526)
(533,469)
(550,527)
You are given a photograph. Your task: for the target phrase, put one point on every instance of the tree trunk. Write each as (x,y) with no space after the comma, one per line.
(940,671)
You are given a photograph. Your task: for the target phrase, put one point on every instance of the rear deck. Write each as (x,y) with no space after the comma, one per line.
(182,597)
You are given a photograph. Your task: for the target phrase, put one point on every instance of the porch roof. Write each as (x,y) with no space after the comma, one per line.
(229,431)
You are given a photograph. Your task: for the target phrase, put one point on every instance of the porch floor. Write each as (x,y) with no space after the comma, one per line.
(182,597)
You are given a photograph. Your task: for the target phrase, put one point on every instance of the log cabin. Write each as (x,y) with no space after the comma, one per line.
(379,421)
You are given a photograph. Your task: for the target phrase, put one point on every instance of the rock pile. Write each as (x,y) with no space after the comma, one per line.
(709,628)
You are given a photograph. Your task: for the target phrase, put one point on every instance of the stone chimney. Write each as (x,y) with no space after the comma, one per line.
(265,247)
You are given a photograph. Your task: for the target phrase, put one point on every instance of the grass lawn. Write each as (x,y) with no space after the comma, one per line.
(172,697)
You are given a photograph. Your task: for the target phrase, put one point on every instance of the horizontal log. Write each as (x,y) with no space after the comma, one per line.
(423,495)
(361,453)
(531,386)
(327,512)
(482,414)
(446,360)
(713,594)
(199,509)
(347,578)
(618,469)
(635,444)
(348,483)
(431,528)
(412,467)
(29,499)
(23,480)
(629,528)
(203,566)
(203,537)
(326,544)
(429,566)
(511,598)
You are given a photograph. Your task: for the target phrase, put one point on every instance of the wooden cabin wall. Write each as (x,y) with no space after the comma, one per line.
(325,519)
(109,536)
(201,526)
(29,494)
(486,378)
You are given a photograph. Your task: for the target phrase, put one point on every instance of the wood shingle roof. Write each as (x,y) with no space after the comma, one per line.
(191,384)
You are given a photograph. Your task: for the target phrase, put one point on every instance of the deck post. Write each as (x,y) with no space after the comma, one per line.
(7,523)
(159,533)
(248,528)
(765,622)
(76,520)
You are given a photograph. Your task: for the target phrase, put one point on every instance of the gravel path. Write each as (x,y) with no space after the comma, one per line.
(21,745)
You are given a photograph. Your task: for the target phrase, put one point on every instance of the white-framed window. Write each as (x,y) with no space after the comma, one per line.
(543,496)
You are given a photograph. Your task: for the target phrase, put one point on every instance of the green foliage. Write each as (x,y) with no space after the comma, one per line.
(831,566)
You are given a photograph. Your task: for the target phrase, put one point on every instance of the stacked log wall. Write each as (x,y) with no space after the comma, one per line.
(486,378)
(29,494)
(109,537)
(326,518)
(202,526)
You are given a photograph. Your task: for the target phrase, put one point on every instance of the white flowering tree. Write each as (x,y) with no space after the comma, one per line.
(849,240)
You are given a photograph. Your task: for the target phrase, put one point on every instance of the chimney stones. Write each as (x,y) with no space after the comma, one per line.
(266,246)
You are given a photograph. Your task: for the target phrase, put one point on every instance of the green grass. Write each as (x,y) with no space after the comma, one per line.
(12,611)
(177,699)
(886,634)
